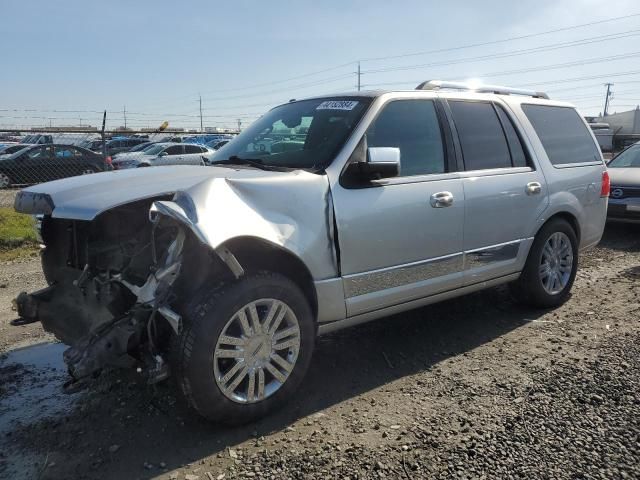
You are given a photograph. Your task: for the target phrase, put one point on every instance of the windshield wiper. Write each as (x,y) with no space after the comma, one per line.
(253,162)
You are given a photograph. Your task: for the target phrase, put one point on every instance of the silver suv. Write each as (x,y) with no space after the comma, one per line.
(324,213)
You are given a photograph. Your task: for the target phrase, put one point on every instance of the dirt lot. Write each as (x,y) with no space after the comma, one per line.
(472,388)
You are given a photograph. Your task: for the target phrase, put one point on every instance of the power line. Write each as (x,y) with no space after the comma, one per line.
(584,87)
(543,48)
(533,69)
(503,40)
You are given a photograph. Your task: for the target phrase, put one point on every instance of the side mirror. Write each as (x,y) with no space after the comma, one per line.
(382,162)
(163,154)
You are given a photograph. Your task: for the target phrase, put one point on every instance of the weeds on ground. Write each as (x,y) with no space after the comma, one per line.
(18,236)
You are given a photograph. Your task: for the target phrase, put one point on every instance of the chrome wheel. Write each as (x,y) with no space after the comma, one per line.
(556,263)
(5,181)
(256,351)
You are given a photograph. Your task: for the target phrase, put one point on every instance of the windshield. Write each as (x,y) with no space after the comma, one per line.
(628,158)
(305,134)
(154,150)
(140,146)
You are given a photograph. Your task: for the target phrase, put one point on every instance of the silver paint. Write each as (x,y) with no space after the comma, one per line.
(397,250)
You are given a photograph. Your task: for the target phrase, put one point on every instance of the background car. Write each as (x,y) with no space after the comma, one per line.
(624,199)
(168,153)
(8,148)
(216,143)
(123,144)
(94,145)
(37,139)
(42,163)
(207,138)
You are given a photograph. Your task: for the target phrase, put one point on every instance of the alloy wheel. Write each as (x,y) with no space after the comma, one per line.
(556,263)
(256,351)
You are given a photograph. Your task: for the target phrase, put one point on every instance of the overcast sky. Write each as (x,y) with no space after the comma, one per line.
(245,56)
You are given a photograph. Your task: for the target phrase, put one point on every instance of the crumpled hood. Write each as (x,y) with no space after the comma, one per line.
(86,196)
(292,210)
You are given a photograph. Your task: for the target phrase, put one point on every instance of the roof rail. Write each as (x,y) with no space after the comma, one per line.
(440,84)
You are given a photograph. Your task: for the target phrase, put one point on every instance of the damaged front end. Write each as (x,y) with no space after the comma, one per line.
(114,285)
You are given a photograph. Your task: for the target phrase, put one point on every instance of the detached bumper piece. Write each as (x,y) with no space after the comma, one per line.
(26,304)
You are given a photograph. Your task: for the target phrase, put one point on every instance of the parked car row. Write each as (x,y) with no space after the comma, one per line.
(158,154)
(42,163)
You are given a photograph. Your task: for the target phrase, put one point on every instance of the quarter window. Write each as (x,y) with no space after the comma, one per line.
(412,126)
(563,134)
(481,136)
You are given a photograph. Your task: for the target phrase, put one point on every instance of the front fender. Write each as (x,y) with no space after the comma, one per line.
(294,214)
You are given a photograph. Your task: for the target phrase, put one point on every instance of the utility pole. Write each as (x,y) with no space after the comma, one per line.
(124,114)
(359,74)
(607,98)
(201,129)
(104,141)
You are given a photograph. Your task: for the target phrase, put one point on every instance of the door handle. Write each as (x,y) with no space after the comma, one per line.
(533,188)
(441,199)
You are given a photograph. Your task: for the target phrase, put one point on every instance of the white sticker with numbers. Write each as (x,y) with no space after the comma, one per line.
(337,105)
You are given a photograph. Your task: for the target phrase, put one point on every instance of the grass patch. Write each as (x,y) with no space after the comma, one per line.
(18,237)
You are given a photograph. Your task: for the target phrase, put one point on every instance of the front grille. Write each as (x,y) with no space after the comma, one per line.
(624,192)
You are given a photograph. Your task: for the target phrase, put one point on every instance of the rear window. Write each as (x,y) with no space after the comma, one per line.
(563,134)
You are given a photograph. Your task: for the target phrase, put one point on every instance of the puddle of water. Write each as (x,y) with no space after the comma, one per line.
(32,387)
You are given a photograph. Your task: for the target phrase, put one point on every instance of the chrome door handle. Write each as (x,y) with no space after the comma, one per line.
(533,188)
(441,199)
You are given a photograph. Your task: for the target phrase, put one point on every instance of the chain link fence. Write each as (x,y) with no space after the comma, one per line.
(37,157)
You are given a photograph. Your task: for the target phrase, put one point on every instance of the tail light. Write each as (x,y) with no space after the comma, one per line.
(606,184)
(108,161)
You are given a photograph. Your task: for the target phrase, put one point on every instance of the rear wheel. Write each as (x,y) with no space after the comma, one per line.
(245,348)
(551,267)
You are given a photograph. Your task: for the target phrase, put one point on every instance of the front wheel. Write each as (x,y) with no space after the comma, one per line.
(551,266)
(245,348)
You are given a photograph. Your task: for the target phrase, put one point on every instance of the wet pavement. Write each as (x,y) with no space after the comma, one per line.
(31,380)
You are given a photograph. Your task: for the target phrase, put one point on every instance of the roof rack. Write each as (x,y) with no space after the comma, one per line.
(440,84)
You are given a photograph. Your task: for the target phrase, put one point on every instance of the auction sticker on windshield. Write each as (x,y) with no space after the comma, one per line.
(337,105)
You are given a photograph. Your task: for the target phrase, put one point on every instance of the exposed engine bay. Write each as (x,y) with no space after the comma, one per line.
(114,285)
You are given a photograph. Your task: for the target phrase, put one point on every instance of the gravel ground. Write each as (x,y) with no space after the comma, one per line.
(477,387)
(7,196)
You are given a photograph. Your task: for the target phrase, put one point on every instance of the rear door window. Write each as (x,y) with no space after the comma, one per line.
(174,150)
(481,135)
(192,149)
(518,157)
(563,134)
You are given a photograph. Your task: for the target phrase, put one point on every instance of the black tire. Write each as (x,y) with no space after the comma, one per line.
(142,165)
(529,287)
(89,169)
(5,180)
(204,320)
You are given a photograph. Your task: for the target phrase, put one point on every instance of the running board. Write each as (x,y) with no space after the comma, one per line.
(421,302)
